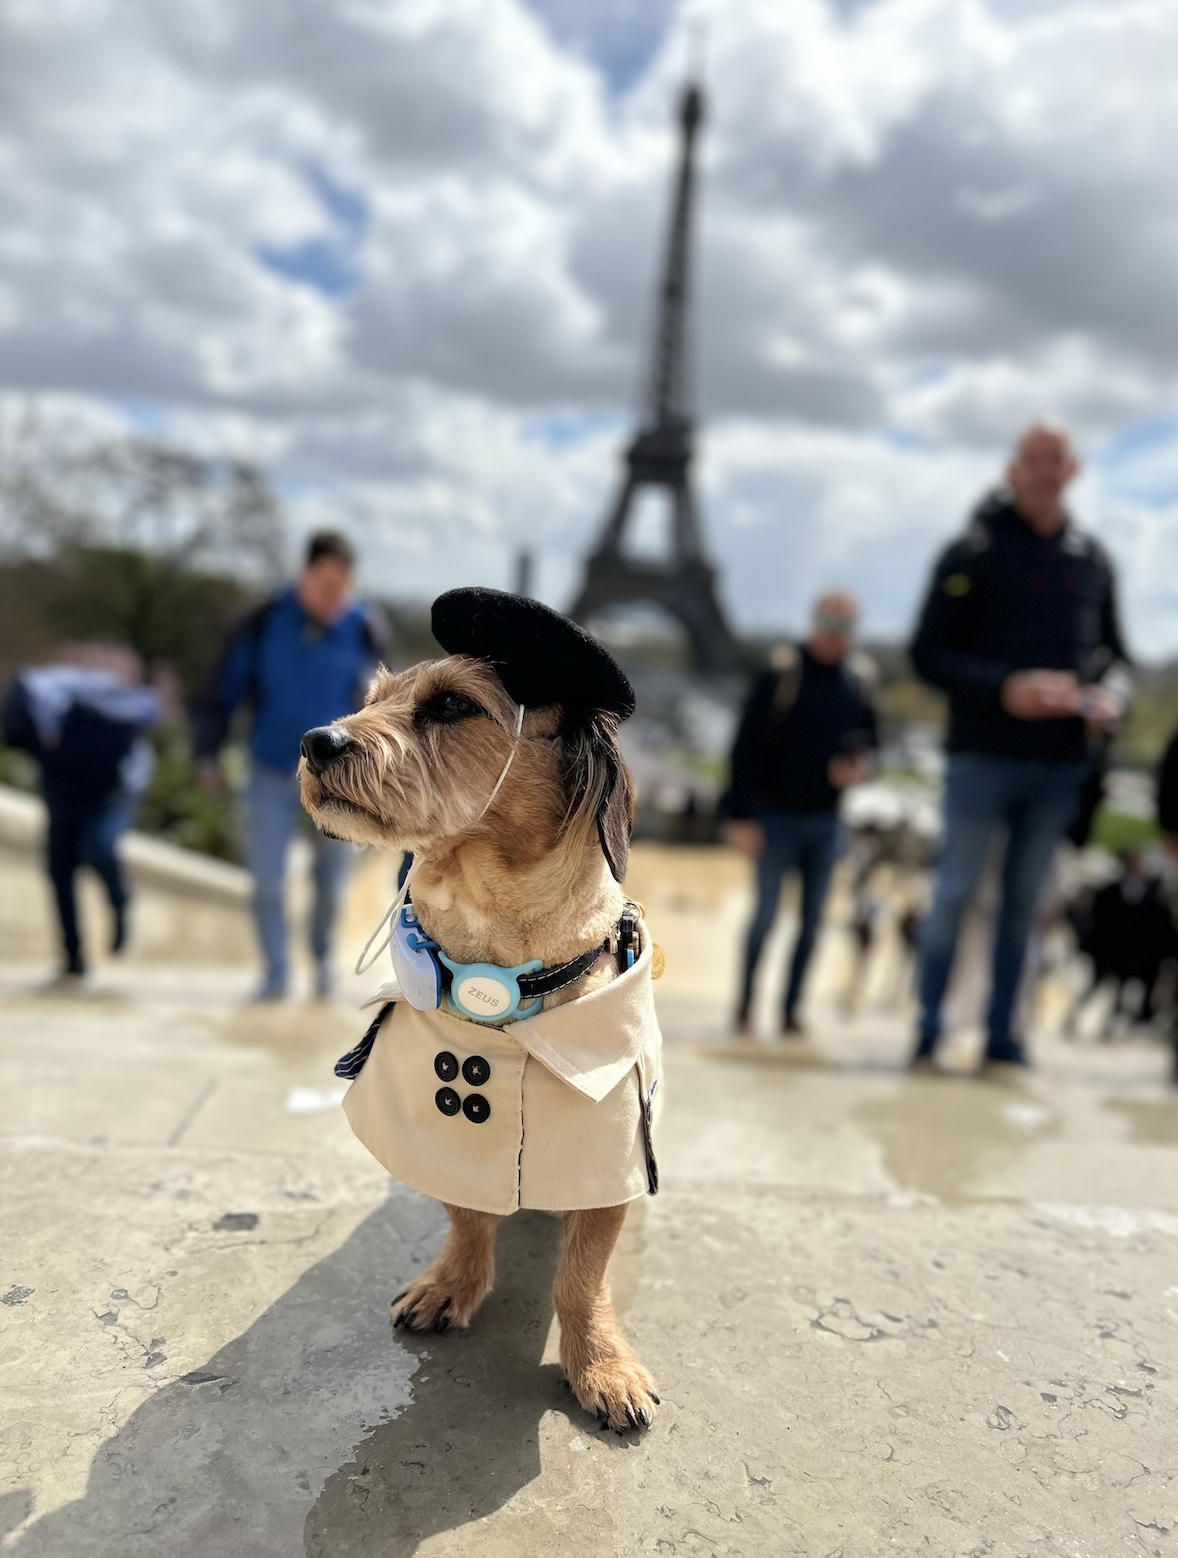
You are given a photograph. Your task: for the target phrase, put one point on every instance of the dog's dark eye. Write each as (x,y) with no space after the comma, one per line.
(447,707)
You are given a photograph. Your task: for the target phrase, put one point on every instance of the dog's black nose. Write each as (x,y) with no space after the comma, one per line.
(324,745)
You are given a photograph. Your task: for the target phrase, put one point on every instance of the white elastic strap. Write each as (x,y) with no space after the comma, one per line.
(397,904)
(387,918)
(519,725)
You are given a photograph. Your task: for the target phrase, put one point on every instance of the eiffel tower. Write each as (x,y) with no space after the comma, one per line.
(660,457)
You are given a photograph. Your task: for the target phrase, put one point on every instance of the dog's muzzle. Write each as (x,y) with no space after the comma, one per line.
(325,745)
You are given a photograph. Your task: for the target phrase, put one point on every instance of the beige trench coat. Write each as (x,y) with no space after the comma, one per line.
(566,1092)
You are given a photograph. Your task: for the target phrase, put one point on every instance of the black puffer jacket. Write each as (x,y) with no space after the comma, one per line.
(1004,599)
(795,721)
(1168,789)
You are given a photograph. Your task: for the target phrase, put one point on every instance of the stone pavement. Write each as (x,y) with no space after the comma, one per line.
(887,1314)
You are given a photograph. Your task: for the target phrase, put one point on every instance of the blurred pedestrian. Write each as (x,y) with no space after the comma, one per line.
(1167,796)
(301,659)
(83,719)
(1167,814)
(1127,934)
(807,733)
(1019,627)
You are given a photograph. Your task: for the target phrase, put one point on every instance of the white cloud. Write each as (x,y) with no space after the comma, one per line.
(404,251)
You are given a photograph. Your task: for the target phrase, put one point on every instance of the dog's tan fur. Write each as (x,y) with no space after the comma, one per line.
(526,879)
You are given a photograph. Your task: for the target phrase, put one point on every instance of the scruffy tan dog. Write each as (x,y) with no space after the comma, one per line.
(534,875)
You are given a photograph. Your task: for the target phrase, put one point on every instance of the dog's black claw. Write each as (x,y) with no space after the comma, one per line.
(658,1400)
(643,1417)
(407,1318)
(397,1297)
(441,1323)
(630,1417)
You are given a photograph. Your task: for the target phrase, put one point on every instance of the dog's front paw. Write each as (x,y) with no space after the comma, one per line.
(438,1301)
(617,1389)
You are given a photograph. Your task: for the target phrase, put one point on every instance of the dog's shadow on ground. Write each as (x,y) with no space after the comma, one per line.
(471,1439)
(226,1461)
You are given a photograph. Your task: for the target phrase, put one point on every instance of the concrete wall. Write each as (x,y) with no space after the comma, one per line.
(187,906)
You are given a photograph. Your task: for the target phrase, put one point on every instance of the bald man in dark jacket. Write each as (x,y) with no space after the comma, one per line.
(1019,627)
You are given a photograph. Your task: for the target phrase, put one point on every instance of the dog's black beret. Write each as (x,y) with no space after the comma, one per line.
(540,656)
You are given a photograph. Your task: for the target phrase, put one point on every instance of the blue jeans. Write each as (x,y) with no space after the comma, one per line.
(272,804)
(1033,801)
(84,834)
(808,842)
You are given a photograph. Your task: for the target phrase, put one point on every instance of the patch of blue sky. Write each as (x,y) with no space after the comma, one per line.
(320,263)
(927,373)
(620,37)
(1141,461)
(905,439)
(347,206)
(1139,438)
(143,415)
(562,429)
(329,262)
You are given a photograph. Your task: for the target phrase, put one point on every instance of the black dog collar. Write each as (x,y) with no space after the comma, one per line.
(623,937)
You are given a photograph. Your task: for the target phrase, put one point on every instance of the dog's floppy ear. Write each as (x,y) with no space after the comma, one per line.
(600,790)
(615,815)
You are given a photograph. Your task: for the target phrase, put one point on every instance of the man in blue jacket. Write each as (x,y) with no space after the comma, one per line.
(302,659)
(1019,627)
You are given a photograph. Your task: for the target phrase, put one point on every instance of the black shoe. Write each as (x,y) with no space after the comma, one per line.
(1008,1065)
(1009,1054)
(118,939)
(71,980)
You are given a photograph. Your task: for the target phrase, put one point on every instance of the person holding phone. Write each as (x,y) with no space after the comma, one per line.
(808,732)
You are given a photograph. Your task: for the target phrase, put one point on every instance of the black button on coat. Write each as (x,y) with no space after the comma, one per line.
(476,1070)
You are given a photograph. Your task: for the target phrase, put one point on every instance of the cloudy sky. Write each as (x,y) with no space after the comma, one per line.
(403,253)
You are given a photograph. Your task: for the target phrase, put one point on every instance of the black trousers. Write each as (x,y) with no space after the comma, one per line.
(84,833)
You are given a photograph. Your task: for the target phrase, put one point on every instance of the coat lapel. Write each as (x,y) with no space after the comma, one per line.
(592,1042)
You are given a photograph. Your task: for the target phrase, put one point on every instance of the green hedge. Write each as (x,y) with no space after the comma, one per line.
(1117,832)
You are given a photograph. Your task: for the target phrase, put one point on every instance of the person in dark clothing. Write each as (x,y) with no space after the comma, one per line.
(1127,934)
(83,723)
(1167,813)
(1167,795)
(807,732)
(1019,627)
(302,659)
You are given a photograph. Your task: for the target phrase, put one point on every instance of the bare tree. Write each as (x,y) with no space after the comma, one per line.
(188,512)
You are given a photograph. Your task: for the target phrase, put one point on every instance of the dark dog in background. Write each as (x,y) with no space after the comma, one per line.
(1125,930)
